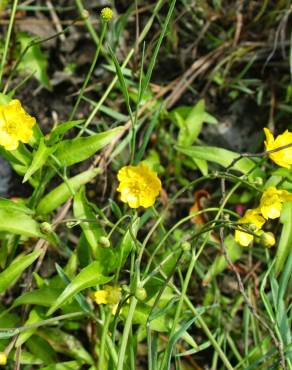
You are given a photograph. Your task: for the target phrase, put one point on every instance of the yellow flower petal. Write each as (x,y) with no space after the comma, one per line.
(253,218)
(15,125)
(139,186)
(108,295)
(272,201)
(3,358)
(283,157)
(100,297)
(242,238)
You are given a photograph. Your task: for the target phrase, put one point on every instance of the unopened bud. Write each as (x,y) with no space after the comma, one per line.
(258,181)
(186,246)
(104,242)
(46,228)
(267,239)
(85,14)
(141,294)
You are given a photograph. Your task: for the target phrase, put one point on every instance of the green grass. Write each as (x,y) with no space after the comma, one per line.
(162,74)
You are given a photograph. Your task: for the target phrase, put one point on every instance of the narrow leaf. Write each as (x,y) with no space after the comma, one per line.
(88,277)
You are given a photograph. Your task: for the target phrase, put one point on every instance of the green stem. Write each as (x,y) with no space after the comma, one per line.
(128,57)
(91,69)
(103,341)
(7,39)
(126,332)
(183,295)
(87,21)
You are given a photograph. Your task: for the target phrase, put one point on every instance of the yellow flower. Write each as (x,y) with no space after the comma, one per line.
(3,358)
(106,14)
(272,201)
(252,218)
(15,125)
(139,186)
(109,295)
(283,157)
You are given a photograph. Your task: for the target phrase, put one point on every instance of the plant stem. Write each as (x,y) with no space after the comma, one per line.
(91,69)
(7,39)
(103,340)
(126,332)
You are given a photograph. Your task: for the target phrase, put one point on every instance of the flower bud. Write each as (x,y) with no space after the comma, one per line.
(46,228)
(85,14)
(106,14)
(258,181)
(267,239)
(3,358)
(186,246)
(104,242)
(141,294)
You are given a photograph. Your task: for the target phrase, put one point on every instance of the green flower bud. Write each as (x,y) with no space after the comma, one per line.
(46,228)
(141,294)
(104,242)
(186,246)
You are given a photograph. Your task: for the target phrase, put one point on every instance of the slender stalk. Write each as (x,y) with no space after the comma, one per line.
(126,332)
(103,340)
(90,71)
(7,39)
(87,21)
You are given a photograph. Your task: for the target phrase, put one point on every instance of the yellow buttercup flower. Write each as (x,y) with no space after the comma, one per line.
(252,218)
(15,125)
(283,157)
(108,295)
(272,201)
(139,186)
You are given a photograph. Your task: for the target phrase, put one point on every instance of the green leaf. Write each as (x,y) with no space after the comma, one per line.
(127,243)
(41,349)
(68,365)
(12,273)
(45,296)
(66,344)
(91,228)
(223,157)
(18,222)
(234,252)
(191,126)
(285,243)
(88,277)
(39,159)
(33,61)
(77,150)
(13,206)
(63,192)
(202,165)
(24,336)
(61,129)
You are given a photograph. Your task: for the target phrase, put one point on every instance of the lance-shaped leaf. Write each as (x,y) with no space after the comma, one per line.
(91,227)
(63,192)
(17,222)
(285,243)
(11,274)
(39,159)
(223,157)
(77,150)
(88,277)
